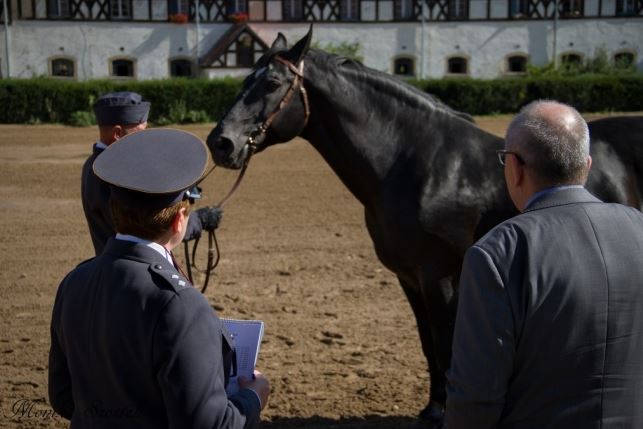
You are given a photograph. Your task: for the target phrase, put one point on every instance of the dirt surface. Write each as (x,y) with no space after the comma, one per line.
(340,348)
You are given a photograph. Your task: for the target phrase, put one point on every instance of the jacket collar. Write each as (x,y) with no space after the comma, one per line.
(562,197)
(134,251)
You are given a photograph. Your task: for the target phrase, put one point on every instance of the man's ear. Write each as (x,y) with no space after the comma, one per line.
(179,218)
(517,172)
(117,132)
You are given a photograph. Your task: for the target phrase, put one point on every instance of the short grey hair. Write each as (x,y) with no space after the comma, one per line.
(553,140)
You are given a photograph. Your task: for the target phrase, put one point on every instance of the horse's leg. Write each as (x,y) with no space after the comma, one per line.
(433,309)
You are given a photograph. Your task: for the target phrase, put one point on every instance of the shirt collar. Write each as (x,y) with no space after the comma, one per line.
(100,145)
(151,244)
(538,195)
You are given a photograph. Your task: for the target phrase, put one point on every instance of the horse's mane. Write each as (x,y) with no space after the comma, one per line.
(385,82)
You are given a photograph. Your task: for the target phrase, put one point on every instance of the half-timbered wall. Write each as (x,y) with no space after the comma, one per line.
(476,38)
(326,10)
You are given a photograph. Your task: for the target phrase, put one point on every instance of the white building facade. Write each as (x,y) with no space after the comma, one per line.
(156,39)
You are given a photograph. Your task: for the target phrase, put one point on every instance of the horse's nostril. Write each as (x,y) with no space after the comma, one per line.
(224,145)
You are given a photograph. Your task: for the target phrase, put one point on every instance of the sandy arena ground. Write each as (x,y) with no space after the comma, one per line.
(340,348)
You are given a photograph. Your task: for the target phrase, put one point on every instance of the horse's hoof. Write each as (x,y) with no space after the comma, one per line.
(431,417)
(426,424)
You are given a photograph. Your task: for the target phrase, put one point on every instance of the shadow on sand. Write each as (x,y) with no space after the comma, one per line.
(367,422)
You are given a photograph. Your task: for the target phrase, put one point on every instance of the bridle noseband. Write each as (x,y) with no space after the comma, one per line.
(254,139)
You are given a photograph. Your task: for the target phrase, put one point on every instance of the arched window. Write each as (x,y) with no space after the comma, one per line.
(571,60)
(62,67)
(517,64)
(181,67)
(122,67)
(457,65)
(404,66)
(624,60)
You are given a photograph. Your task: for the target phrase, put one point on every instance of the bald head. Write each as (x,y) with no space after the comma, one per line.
(553,140)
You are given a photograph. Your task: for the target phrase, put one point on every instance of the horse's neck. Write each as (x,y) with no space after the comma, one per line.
(359,133)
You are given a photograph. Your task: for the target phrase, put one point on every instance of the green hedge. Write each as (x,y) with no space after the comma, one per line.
(51,100)
(585,93)
(196,100)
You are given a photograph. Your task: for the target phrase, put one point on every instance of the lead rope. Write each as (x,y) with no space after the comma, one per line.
(214,255)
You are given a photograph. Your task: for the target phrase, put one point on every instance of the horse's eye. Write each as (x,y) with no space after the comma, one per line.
(273,83)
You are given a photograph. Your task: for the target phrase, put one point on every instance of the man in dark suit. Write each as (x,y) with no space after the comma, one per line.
(549,328)
(133,344)
(119,114)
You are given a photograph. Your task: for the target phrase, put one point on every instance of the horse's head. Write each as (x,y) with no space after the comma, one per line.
(272,107)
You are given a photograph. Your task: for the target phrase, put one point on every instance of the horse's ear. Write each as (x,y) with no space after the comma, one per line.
(279,44)
(297,53)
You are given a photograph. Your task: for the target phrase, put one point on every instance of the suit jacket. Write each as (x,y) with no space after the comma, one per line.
(95,196)
(549,327)
(134,345)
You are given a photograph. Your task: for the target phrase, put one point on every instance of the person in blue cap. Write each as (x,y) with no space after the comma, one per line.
(133,343)
(119,114)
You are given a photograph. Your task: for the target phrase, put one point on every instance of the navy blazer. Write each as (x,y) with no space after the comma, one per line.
(134,345)
(95,197)
(549,327)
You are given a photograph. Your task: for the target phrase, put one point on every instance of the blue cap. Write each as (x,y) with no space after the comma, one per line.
(121,108)
(152,168)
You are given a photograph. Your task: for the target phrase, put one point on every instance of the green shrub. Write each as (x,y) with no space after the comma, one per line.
(82,118)
(344,49)
(43,100)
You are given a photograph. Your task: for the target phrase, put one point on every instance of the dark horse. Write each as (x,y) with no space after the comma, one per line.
(428,178)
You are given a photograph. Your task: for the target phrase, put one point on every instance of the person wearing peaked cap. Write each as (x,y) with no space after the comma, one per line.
(133,344)
(119,114)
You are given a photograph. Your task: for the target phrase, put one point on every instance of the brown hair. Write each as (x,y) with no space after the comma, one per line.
(145,223)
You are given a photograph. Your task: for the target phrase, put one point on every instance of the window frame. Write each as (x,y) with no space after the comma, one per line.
(186,60)
(467,62)
(401,14)
(72,60)
(292,10)
(621,7)
(463,14)
(111,61)
(413,62)
(349,10)
(566,54)
(624,52)
(122,3)
(59,6)
(512,55)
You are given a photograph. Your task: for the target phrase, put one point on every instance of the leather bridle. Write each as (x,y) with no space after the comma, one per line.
(254,139)
(297,82)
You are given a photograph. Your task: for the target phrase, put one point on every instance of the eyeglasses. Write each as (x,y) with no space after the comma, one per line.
(502,154)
